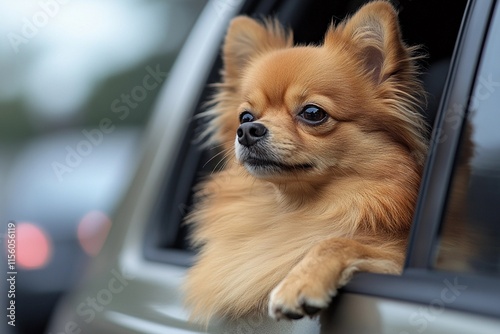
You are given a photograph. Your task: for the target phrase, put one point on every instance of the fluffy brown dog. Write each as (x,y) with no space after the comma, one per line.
(329,146)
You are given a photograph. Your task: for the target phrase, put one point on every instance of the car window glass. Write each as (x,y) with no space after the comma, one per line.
(470,233)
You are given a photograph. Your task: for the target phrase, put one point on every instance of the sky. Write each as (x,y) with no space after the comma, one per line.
(53,52)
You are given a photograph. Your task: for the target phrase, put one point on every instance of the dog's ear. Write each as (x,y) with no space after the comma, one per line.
(374,31)
(246,38)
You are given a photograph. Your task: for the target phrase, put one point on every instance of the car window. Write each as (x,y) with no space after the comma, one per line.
(470,234)
(166,234)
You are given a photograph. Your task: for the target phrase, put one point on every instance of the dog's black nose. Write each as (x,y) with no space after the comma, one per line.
(251,132)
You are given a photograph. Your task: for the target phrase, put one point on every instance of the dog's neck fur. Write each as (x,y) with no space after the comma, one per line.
(296,194)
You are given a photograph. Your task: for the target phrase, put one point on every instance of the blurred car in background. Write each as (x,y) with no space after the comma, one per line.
(448,286)
(78,82)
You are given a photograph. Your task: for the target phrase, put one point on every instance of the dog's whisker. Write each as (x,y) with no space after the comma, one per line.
(224,161)
(212,158)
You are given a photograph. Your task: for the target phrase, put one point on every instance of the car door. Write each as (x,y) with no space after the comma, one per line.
(134,286)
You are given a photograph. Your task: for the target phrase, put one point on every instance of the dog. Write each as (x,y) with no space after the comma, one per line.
(325,147)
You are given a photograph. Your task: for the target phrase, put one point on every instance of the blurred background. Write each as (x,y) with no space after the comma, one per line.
(78,80)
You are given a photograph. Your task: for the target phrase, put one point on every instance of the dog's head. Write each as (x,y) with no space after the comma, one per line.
(303,111)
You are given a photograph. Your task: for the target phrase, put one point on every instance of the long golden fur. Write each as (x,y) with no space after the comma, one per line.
(338,195)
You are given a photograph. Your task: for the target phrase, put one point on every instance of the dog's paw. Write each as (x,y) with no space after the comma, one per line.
(295,298)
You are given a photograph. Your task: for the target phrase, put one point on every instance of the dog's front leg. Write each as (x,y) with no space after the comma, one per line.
(329,265)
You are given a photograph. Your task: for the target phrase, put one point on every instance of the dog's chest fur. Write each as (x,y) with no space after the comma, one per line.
(251,240)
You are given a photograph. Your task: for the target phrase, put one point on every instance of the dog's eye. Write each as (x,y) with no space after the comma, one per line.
(246,117)
(313,115)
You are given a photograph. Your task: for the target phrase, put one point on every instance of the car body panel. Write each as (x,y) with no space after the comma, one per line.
(362,314)
(151,298)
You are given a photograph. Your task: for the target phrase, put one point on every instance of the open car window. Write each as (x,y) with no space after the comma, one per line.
(167,237)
